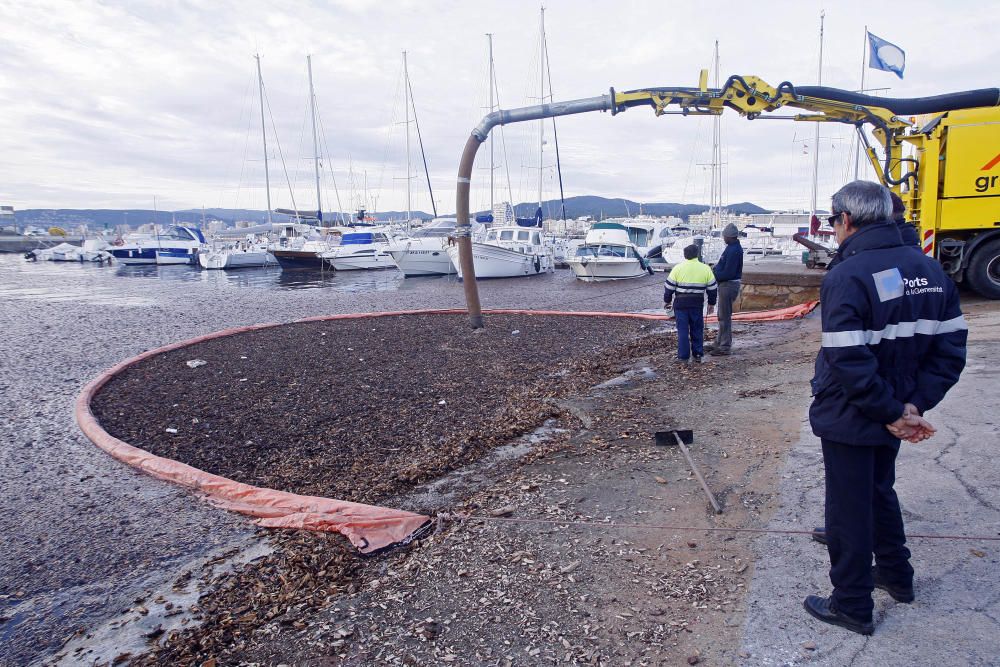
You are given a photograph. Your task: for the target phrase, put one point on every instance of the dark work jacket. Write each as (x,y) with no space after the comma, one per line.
(908,233)
(730,264)
(893,333)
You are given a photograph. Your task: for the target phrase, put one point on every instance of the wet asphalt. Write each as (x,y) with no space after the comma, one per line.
(84,536)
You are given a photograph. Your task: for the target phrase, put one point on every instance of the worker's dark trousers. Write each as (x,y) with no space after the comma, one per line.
(728,291)
(690,332)
(863,518)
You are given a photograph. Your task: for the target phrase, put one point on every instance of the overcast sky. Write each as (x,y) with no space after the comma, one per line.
(104,105)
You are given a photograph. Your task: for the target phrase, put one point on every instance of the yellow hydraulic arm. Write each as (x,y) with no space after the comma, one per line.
(751,97)
(892,120)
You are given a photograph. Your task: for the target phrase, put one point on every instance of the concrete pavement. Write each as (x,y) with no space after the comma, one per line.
(948,485)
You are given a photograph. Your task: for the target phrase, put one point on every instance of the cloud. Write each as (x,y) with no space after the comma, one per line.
(110,103)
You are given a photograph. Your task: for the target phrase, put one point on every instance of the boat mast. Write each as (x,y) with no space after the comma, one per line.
(715,206)
(555,134)
(406,103)
(420,142)
(156,228)
(815,183)
(263,132)
(489,37)
(857,138)
(312,110)
(541,100)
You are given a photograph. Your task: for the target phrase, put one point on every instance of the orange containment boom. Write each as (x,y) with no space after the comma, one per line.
(368,527)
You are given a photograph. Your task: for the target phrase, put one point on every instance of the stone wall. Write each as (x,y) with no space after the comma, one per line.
(778,287)
(766,297)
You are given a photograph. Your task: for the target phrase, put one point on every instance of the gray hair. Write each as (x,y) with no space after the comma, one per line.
(865,201)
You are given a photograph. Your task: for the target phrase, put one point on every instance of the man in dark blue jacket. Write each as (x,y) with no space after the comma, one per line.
(893,344)
(906,231)
(728,273)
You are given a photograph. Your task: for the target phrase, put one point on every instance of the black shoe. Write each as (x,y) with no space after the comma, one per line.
(698,359)
(719,352)
(824,610)
(819,535)
(902,594)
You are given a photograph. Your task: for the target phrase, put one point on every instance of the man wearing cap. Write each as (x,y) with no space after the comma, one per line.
(685,290)
(728,273)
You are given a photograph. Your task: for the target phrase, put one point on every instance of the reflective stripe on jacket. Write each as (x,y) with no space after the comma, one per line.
(893,333)
(690,281)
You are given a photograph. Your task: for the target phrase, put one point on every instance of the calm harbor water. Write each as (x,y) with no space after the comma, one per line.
(132,285)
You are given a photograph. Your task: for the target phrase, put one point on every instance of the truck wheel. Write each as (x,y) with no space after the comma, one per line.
(984,270)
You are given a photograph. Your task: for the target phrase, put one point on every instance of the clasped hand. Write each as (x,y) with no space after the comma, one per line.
(911,426)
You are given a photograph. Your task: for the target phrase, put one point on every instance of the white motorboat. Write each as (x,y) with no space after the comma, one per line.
(64,252)
(95,250)
(178,245)
(646,233)
(424,252)
(711,249)
(360,251)
(510,251)
(92,251)
(607,254)
(236,255)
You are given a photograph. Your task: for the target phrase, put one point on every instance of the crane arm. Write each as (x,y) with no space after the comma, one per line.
(751,97)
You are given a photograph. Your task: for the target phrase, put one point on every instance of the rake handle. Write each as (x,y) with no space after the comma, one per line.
(701,480)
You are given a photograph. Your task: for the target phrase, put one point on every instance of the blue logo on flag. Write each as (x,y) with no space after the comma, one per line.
(885,56)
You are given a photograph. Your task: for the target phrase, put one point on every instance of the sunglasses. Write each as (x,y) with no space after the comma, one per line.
(835,218)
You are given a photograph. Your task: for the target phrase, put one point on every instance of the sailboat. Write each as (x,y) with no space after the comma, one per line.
(518,248)
(301,251)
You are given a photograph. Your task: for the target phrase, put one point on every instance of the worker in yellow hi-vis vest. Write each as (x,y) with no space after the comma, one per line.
(686,288)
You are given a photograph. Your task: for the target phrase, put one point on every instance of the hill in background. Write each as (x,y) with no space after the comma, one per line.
(587,205)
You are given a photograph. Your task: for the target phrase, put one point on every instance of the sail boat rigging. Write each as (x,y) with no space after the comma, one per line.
(416,124)
(545,71)
(555,133)
(263,134)
(312,113)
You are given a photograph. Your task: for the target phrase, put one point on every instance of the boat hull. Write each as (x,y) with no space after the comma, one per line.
(495,262)
(600,269)
(298,259)
(235,260)
(362,262)
(169,256)
(132,256)
(416,261)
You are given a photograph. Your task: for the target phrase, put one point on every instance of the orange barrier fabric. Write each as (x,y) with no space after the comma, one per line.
(368,527)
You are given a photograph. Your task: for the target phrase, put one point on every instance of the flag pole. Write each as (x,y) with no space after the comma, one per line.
(857,152)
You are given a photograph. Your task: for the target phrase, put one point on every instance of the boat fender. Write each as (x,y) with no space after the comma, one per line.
(538,264)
